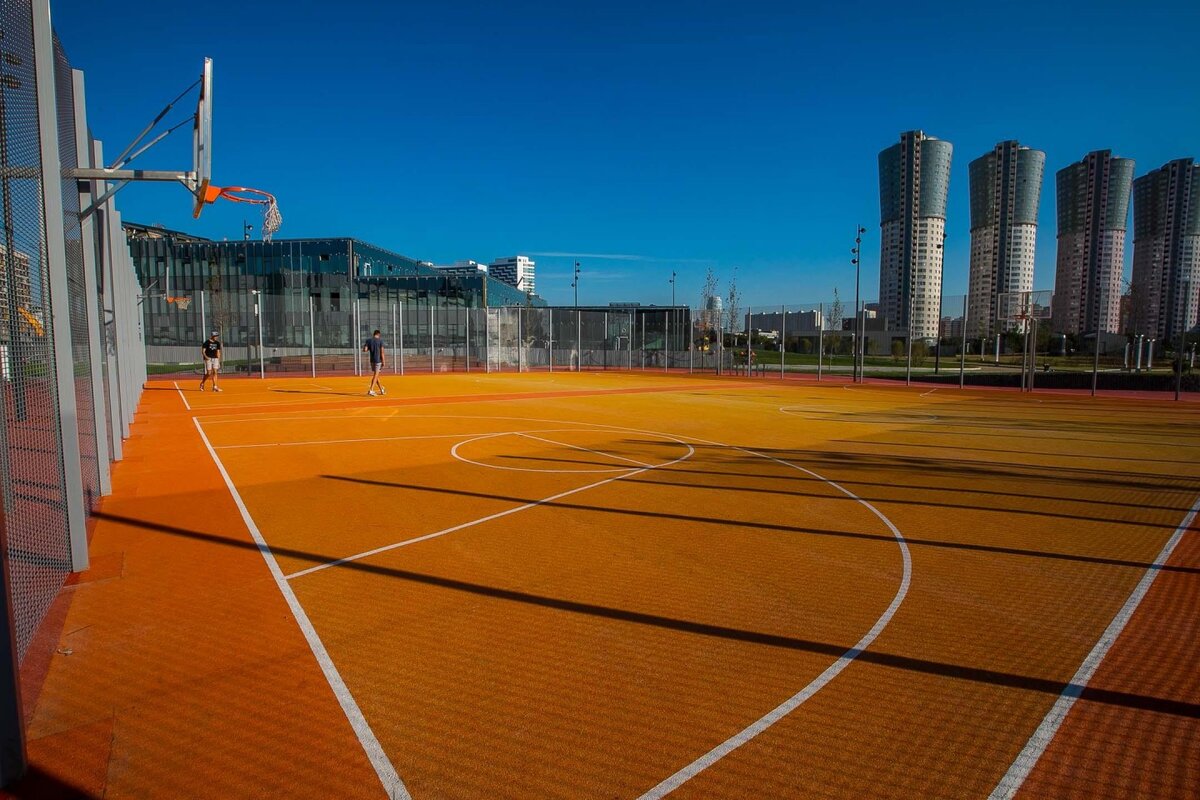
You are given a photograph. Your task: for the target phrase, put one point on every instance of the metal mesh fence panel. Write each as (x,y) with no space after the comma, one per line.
(33,484)
(81,346)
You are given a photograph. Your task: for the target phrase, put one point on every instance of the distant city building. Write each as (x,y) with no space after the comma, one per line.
(1166,250)
(1093,206)
(515,271)
(914,179)
(463,269)
(22,294)
(786,323)
(1006,186)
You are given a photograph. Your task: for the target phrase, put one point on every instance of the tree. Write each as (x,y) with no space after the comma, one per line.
(733,306)
(897,349)
(920,351)
(835,312)
(708,321)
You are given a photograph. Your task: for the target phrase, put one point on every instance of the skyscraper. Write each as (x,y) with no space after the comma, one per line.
(1093,205)
(914,179)
(516,271)
(1166,250)
(1006,186)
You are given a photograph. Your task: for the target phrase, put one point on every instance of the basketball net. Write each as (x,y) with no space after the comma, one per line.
(272,219)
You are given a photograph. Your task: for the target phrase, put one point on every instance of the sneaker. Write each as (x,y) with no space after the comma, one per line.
(216,388)
(371,393)
(202,387)
(382,390)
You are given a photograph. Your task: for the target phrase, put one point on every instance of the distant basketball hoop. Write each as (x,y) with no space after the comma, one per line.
(182,303)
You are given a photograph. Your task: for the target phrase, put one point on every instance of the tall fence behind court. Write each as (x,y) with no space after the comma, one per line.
(72,355)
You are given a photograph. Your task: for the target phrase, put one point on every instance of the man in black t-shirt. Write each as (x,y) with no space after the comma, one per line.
(211,350)
(374,346)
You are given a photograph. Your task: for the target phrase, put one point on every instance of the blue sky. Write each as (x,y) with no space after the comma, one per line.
(646,137)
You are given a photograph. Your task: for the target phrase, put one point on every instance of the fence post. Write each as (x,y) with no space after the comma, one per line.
(578,339)
(1096,361)
(312,333)
(356,334)
(432,345)
(260,307)
(550,342)
(643,342)
(467,336)
(782,340)
(91,291)
(820,341)
(400,329)
(962,356)
(56,271)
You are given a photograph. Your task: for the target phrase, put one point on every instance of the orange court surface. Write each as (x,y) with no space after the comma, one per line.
(623,585)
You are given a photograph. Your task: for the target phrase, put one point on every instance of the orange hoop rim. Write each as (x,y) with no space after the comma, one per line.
(263,198)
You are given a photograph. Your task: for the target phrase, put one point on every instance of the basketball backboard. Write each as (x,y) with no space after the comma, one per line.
(1017,306)
(202,140)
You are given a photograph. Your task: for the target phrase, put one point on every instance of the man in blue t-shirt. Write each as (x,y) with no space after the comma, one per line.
(374,346)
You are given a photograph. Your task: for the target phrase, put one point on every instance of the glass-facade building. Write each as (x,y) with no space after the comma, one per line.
(332,288)
(914,182)
(1006,188)
(1093,209)
(1165,294)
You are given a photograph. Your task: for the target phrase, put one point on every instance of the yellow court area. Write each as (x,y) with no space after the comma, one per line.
(623,585)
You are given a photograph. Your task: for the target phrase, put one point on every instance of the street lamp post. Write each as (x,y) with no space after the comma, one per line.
(860,327)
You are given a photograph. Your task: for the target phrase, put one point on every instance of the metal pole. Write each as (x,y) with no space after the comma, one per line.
(1024,353)
(643,342)
(400,328)
(395,338)
(260,307)
(550,342)
(1182,340)
(578,328)
(432,354)
(782,339)
(203,323)
(856,370)
(355,333)
(1033,354)
(1096,363)
(632,325)
(312,334)
(820,341)
(962,356)
(487,340)
(749,363)
(467,337)
(908,362)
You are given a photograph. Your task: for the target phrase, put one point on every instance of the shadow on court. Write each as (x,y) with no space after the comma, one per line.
(832,650)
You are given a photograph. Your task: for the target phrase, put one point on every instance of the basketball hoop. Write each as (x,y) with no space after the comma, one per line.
(272,219)
(182,303)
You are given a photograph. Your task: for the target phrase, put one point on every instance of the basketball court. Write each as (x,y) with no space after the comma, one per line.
(622,585)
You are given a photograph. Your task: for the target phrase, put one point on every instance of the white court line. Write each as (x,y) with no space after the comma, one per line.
(347,441)
(358,556)
(816,684)
(931,391)
(1028,758)
(586,450)
(186,404)
(374,750)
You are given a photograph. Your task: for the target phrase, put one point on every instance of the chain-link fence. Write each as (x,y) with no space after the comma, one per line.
(1007,347)
(72,357)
